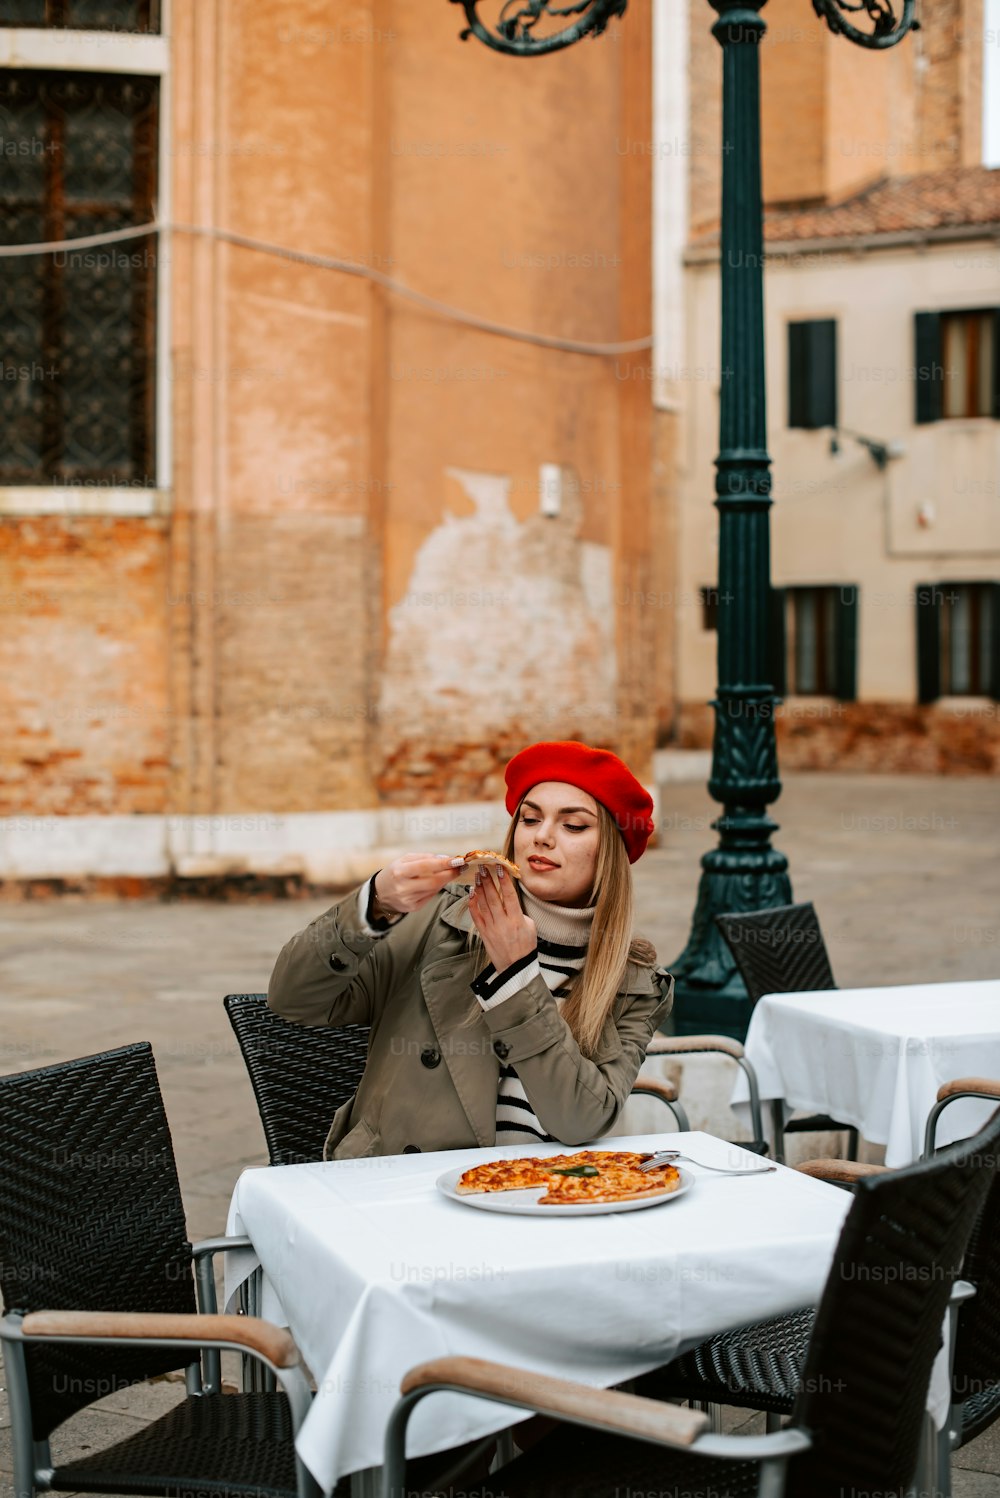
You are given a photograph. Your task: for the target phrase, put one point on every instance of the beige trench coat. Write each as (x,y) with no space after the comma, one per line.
(434,1055)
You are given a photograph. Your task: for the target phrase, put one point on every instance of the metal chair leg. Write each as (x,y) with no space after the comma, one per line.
(778,1123)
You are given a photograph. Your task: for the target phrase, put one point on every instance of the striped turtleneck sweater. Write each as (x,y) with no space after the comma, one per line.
(563,934)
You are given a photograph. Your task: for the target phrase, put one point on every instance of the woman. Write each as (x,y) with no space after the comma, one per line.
(500,1013)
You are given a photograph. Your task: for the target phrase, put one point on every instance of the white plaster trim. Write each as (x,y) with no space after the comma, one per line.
(335,847)
(83,51)
(84,499)
(676,765)
(68,847)
(671,145)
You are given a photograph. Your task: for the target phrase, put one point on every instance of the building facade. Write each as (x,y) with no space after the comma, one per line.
(884,430)
(323,499)
(359,396)
(882,282)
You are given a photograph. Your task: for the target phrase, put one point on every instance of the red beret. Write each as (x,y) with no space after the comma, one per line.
(607,778)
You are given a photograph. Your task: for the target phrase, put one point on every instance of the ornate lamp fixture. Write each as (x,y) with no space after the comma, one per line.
(744,873)
(521,30)
(885,31)
(527,28)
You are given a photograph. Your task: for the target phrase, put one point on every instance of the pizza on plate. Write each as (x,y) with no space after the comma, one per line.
(587,1177)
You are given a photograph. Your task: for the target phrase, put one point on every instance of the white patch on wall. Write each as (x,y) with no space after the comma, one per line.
(504,624)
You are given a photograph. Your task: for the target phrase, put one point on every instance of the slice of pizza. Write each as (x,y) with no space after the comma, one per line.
(616,1184)
(490,860)
(515,1175)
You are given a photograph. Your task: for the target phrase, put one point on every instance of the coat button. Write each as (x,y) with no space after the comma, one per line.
(338,964)
(501,1049)
(430,1057)
(411,1149)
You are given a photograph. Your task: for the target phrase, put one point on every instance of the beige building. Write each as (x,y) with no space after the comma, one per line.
(882,285)
(883,428)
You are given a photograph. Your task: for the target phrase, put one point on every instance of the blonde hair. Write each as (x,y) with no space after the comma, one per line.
(611,947)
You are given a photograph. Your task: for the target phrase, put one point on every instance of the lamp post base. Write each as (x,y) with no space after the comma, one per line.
(710,997)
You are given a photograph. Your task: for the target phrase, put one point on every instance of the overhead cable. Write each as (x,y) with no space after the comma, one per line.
(335,263)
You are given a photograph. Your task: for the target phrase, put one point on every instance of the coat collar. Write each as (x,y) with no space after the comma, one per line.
(638,980)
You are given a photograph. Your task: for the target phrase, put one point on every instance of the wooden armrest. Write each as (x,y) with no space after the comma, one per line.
(846,1172)
(608,1409)
(272,1342)
(686,1045)
(648,1085)
(986,1085)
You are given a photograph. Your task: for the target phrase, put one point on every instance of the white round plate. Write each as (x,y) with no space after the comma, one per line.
(526,1203)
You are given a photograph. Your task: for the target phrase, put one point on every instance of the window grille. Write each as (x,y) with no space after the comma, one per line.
(77,327)
(83,15)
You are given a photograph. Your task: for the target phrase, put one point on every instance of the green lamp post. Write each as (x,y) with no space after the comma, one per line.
(744,872)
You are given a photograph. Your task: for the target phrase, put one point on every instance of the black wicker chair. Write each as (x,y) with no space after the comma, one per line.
(975,1379)
(300,1074)
(98,1282)
(781,950)
(761,1366)
(858,1415)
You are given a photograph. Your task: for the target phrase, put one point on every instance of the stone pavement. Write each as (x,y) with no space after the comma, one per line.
(904,872)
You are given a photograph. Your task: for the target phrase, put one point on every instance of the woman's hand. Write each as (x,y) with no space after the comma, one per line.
(410,881)
(506,931)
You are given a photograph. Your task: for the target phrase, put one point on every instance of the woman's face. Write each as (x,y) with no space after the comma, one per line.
(555,843)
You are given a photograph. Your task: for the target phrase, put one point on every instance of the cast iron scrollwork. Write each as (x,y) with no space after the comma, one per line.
(886,27)
(520,28)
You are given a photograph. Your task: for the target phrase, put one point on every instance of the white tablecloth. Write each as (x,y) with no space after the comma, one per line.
(875,1057)
(373,1270)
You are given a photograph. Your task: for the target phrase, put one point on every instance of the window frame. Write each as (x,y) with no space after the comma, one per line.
(839,682)
(825,636)
(934,683)
(57,49)
(930,374)
(974,318)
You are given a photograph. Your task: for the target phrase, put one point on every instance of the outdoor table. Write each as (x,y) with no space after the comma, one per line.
(875,1057)
(373,1271)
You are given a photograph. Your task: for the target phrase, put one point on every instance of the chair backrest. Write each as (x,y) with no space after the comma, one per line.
(300,1074)
(879,1324)
(780,950)
(91,1218)
(976,1377)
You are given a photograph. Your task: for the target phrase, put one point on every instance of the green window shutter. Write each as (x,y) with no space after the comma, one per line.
(776,639)
(928,601)
(796,374)
(929,383)
(993,623)
(845,646)
(812,374)
(995,406)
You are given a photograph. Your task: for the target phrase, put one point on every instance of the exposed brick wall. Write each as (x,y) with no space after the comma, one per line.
(873,737)
(83,666)
(705,82)
(295,715)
